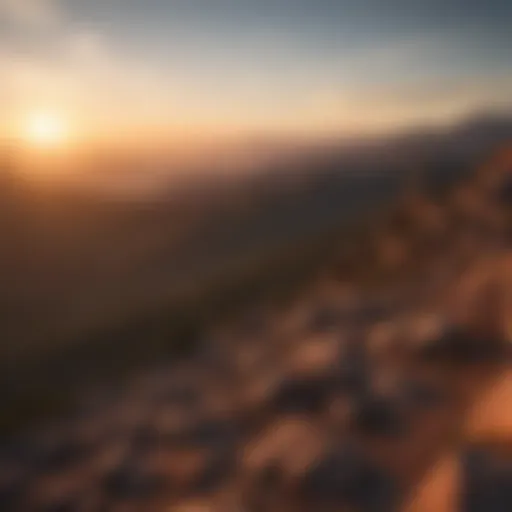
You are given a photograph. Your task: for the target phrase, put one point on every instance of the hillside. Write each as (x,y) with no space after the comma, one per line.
(377,386)
(70,256)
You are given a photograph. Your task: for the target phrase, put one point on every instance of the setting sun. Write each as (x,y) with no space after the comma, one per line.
(45,130)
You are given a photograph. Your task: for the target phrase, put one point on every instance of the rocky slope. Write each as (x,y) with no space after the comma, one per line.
(371,399)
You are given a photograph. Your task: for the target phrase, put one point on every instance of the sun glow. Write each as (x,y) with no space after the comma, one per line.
(45,130)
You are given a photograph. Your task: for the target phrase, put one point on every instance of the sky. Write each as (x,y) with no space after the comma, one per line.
(172,70)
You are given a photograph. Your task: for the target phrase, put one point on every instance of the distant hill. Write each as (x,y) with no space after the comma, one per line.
(72,256)
(85,280)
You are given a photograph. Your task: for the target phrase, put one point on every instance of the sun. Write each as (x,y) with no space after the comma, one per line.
(45,130)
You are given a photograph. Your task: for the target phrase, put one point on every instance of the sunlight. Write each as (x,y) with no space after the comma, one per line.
(45,130)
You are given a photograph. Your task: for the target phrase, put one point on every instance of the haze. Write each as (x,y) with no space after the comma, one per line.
(142,77)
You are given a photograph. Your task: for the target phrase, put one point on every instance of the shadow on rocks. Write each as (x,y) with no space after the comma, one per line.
(487,482)
(345,477)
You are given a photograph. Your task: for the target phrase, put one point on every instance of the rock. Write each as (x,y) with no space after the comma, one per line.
(168,425)
(194,505)
(439,490)
(385,338)
(129,414)
(94,428)
(20,451)
(481,305)
(345,477)
(370,314)
(352,378)
(270,478)
(65,505)
(503,192)
(132,481)
(248,358)
(324,319)
(79,503)
(421,330)
(109,456)
(417,394)
(374,414)
(12,488)
(262,492)
(457,344)
(210,433)
(302,395)
(354,368)
(60,491)
(252,326)
(181,396)
(487,482)
(219,466)
(490,417)
(315,355)
(180,468)
(63,455)
(174,431)
(277,446)
(340,412)
(146,437)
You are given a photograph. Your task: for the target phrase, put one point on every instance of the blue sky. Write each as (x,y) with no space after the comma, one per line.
(270,65)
